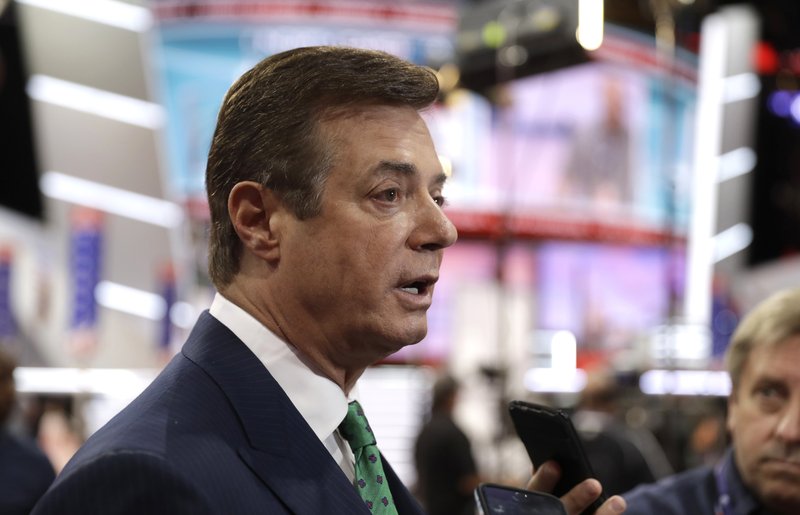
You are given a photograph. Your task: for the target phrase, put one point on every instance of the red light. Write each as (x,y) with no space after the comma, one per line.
(765,59)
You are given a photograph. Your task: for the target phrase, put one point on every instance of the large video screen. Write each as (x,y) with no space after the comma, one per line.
(608,296)
(606,141)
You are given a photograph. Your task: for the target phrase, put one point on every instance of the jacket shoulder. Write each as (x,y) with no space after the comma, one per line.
(692,491)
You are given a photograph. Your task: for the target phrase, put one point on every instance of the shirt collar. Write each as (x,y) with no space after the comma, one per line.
(319,400)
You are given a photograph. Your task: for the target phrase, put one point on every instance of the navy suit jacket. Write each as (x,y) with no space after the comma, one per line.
(213,433)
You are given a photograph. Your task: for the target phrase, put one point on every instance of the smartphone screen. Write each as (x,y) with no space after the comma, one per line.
(504,500)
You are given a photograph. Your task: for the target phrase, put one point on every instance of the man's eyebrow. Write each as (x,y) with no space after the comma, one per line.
(768,380)
(405,168)
(401,167)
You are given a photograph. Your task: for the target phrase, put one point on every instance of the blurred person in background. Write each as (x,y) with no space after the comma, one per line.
(622,457)
(327,233)
(56,435)
(599,161)
(707,440)
(25,471)
(446,472)
(760,472)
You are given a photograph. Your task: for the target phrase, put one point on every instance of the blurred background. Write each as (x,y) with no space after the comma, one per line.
(623,174)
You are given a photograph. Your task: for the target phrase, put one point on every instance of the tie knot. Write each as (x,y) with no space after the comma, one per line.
(355,428)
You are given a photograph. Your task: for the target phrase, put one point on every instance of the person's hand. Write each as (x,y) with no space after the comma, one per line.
(580,497)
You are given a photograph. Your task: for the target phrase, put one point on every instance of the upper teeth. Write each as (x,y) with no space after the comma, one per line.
(411,289)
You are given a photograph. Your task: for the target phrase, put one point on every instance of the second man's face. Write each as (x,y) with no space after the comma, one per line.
(362,272)
(764,419)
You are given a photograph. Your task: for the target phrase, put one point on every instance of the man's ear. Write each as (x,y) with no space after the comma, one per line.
(251,207)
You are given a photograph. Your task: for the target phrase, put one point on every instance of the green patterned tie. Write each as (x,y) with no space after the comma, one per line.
(370,480)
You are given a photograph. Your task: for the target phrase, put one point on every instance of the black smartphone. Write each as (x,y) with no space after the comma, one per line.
(548,434)
(493,499)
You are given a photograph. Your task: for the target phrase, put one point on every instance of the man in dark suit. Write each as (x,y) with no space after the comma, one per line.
(25,471)
(327,233)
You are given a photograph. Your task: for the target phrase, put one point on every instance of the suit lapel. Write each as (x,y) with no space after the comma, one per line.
(281,448)
(405,502)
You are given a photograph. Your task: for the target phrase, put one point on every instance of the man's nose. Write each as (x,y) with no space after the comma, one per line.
(434,230)
(788,428)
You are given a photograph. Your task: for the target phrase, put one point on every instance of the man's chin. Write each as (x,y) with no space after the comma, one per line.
(410,329)
(416,336)
(783,506)
(782,495)
(410,334)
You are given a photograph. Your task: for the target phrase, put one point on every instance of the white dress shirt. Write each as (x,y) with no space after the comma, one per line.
(320,401)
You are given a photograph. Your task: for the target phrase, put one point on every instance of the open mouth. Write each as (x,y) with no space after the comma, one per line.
(419,287)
